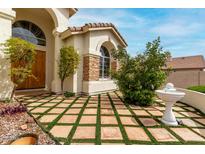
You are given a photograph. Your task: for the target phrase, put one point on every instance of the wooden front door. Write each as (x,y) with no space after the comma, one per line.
(38,70)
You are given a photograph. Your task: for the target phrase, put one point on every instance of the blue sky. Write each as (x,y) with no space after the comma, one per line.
(182,31)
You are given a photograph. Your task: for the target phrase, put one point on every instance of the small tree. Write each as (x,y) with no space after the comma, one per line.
(22,57)
(139,76)
(68,63)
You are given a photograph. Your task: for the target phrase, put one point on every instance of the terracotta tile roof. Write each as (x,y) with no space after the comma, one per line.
(96,25)
(186,62)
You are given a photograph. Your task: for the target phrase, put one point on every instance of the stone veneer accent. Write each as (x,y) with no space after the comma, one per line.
(91,67)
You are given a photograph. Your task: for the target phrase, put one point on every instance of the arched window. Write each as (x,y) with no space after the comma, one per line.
(28,31)
(104,63)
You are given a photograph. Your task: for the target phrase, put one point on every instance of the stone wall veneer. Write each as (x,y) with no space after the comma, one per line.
(91,67)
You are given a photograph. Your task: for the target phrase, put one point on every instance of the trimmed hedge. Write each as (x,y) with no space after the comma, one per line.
(197,88)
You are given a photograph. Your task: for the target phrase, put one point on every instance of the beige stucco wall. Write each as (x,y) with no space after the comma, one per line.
(6,18)
(193,98)
(85,44)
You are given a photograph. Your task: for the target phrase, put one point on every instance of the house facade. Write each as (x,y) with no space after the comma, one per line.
(49,30)
(186,71)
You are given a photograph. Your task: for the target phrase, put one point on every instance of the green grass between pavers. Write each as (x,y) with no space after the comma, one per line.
(72,132)
(53,123)
(125,140)
(123,132)
(197,88)
(98,122)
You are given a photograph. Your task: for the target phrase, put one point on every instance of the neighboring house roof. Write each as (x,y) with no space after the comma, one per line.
(93,27)
(190,62)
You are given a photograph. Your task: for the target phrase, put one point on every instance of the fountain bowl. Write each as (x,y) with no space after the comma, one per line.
(170,96)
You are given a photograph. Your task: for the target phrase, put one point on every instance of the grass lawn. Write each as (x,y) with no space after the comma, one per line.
(198,88)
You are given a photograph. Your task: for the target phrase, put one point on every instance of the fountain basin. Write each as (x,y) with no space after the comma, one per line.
(170,96)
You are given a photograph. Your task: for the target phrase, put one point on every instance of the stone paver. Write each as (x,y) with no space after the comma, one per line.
(68,119)
(156,113)
(84,132)
(56,100)
(57,110)
(123,112)
(73,111)
(49,104)
(187,134)
(43,100)
(128,121)
(107,111)
(120,107)
(134,120)
(190,114)
(77,105)
(136,133)
(162,135)
(62,105)
(48,118)
(201,131)
(34,104)
(39,110)
(148,122)
(191,123)
(88,120)
(92,105)
(201,120)
(111,133)
(141,113)
(61,131)
(109,120)
(90,111)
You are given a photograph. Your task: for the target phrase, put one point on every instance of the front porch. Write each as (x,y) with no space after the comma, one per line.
(105,119)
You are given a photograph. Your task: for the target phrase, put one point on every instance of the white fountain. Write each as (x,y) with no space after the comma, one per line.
(169,95)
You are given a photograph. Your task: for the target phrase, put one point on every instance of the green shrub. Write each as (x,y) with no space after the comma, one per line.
(21,54)
(139,76)
(69,94)
(197,88)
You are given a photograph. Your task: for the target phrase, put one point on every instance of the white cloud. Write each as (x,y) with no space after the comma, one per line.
(177,29)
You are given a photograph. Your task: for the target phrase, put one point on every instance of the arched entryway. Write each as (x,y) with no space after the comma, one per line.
(30,32)
(36,26)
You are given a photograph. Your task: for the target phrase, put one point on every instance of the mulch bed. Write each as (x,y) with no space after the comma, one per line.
(20,124)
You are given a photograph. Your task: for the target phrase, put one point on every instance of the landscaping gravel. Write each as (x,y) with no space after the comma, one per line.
(14,125)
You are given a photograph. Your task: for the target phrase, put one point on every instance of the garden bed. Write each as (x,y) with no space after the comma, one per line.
(18,124)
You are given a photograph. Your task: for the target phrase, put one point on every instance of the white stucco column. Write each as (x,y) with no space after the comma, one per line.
(55,87)
(7,16)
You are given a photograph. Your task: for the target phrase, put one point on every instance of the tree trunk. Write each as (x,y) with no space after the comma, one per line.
(62,86)
(12,94)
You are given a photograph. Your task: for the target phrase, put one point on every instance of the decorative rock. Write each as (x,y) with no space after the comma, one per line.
(29,120)
(24,127)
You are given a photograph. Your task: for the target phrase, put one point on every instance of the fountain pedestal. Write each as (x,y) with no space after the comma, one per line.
(168,116)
